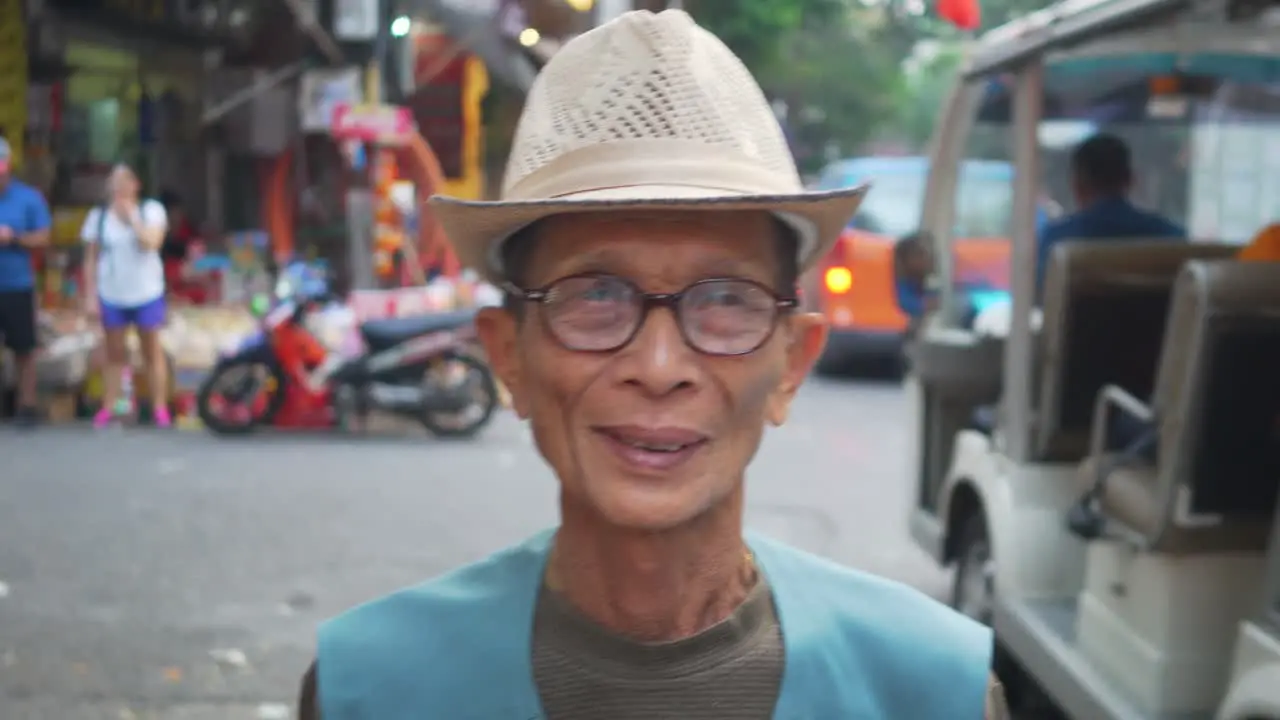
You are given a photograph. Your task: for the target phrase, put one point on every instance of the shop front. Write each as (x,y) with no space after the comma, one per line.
(130,107)
(119,82)
(13,75)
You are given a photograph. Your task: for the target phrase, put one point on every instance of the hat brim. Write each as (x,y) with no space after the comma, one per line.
(476,229)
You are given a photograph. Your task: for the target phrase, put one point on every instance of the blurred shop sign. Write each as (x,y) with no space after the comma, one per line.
(321,92)
(386,124)
(355,20)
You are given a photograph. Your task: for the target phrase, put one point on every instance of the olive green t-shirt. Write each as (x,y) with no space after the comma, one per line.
(585,672)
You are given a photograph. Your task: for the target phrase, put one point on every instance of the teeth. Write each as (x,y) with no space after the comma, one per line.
(652,447)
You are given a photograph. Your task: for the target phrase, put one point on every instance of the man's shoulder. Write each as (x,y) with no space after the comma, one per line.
(879,637)
(470,590)
(1153,224)
(1164,227)
(866,603)
(1061,227)
(461,624)
(25,193)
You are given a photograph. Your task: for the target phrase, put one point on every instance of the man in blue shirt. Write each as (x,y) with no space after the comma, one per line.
(1101,175)
(913,264)
(24,226)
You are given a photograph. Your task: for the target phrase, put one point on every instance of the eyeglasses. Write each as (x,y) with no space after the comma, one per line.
(602,313)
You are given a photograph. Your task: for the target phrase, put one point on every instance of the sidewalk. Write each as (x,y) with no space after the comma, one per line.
(62,710)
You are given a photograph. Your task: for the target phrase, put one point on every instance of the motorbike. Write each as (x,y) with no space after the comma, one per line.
(422,368)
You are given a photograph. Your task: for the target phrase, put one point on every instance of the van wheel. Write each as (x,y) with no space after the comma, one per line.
(973,587)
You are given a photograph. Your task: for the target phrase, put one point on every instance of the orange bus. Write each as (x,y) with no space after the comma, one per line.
(855,286)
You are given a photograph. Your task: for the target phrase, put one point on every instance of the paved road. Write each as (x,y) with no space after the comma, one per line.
(178,577)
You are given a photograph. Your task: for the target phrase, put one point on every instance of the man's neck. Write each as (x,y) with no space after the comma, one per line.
(1101,199)
(653,585)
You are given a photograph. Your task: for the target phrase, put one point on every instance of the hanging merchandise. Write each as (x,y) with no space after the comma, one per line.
(246,272)
(388,227)
(354,152)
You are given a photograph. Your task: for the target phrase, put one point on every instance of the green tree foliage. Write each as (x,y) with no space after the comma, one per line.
(927,79)
(758,30)
(849,71)
(841,81)
(998,12)
(830,61)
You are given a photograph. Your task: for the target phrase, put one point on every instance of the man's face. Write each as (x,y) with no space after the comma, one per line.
(588,409)
(919,263)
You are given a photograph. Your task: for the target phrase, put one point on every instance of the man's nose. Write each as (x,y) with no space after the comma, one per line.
(658,360)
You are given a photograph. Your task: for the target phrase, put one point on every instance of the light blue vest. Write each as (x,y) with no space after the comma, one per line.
(460,647)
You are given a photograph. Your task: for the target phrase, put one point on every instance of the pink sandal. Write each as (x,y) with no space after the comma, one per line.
(103,418)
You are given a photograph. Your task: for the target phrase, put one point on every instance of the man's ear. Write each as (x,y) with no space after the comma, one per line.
(498,330)
(807,336)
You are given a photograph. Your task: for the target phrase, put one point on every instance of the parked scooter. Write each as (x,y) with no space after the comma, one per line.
(420,367)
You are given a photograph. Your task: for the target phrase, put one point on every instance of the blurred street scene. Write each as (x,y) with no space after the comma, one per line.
(964,412)
(180,576)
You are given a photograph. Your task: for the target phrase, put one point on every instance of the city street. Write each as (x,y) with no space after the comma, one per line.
(178,576)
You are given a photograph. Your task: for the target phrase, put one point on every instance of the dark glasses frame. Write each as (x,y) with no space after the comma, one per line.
(648,301)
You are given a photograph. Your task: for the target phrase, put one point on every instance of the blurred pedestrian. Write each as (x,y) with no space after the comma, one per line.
(913,266)
(124,287)
(24,226)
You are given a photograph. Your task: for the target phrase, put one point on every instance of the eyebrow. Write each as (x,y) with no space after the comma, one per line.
(616,262)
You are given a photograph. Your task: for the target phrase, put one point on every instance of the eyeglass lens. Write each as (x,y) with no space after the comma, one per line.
(717,317)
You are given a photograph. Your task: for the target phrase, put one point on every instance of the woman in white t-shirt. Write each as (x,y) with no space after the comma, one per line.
(124,285)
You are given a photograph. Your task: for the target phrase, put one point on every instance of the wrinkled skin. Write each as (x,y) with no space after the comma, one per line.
(657,380)
(652,555)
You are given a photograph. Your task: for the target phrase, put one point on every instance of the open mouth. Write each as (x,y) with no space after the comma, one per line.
(652,448)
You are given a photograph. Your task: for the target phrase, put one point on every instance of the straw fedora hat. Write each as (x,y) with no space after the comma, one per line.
(648,111)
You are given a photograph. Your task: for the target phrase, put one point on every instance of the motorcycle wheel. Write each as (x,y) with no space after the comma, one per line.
(216,422)
(467,422)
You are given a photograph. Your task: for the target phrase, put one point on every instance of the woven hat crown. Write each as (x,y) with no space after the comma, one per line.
(654,93)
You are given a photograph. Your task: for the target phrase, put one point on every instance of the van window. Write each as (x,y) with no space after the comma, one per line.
(982,215)
(984,206)
(1205,154)
(892,207)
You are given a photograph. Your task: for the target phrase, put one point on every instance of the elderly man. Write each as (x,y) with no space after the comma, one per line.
(650,234)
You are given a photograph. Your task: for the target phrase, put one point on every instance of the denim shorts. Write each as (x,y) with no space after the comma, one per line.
(147,316)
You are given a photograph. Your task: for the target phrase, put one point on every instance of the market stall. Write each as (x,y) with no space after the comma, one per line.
(70,357)
(221,282)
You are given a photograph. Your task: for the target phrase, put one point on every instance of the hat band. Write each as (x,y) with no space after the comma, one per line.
(674,162)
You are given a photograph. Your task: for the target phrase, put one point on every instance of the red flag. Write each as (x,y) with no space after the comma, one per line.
(964,14)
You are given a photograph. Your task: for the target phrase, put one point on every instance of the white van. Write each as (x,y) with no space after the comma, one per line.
(1134,578)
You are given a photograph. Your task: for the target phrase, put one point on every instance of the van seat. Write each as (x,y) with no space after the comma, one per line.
(1236,463)
(1131,498)
(1105,309)
(1215,415)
